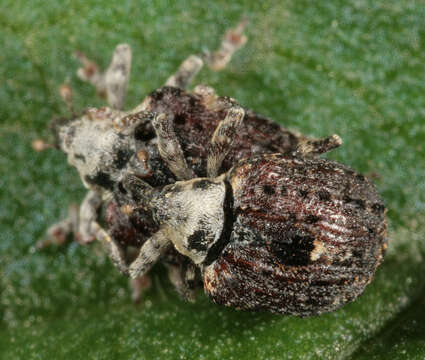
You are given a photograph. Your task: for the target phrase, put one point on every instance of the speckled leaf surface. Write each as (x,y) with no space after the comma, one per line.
(355,68)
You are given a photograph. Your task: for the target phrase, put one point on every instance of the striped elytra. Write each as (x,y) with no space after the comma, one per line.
(306,238)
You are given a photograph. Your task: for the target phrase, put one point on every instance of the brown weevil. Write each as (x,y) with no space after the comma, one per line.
(291,234)
(302,235)
(105,143)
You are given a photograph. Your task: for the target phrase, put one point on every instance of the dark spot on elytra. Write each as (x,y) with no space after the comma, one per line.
(179,119)
(311,219)
(198,126)
(333,281)
(324,195)
(268,189)
(313,301)
(320,283)
(292,218)
(358,202)
(100,179)
(80,157)
(303,193)
(378,208)
(283,190)
(193,102)
(358,254)
(122,157)
(293,249)
(266,272)
(195,241)
(201,184)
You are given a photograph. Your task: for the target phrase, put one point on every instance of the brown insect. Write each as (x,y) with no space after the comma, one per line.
(107,144)
(291,234)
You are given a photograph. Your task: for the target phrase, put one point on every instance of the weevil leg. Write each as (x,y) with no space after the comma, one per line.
(90,72)
(149,254)
(140,192)
(89,209)
(117,76)
(176,278)
(113,82)
(170,149)
(61,232)
(78,223)
(126,125)
(232,41)
(186,72)
(208,97)
(182,281)
(313,147)
(190,281)
(222,139)
(204,91)
(138,287)
(115,252)
(140,284)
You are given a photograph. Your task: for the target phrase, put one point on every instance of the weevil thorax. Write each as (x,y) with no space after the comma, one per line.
(193,214)
(93,145)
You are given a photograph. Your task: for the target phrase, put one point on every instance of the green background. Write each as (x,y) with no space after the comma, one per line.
(355,68)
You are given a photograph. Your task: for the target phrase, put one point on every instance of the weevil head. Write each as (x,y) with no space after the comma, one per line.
(99,150)
(191,212)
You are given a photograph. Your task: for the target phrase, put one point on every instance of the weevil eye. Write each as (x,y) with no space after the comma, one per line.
(80,157)
(202,184)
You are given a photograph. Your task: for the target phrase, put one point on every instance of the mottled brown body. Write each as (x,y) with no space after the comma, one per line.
(306,238)
(195,119)
(129,229)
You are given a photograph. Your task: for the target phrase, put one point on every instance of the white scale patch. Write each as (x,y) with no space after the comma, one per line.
(203,210)
(318,250)
(335,227)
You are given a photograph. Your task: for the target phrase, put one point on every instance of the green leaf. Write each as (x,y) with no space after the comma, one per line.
(353,68)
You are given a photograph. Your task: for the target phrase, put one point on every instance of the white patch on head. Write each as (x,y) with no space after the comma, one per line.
(91,146)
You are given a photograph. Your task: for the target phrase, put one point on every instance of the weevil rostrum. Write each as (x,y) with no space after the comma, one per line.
(211,187)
